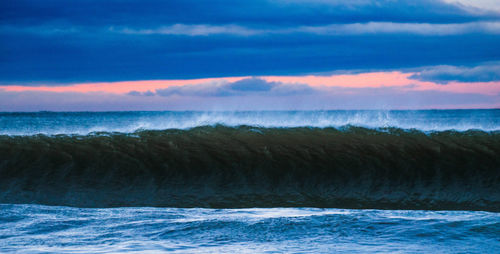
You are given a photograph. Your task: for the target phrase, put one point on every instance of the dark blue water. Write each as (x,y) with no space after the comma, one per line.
(45,229)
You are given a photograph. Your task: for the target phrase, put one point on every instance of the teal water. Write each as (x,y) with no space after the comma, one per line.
(83,123)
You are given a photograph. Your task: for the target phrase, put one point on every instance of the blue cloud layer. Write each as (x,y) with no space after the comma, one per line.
(445,73)
(145,13)
(60,41)
(243,87)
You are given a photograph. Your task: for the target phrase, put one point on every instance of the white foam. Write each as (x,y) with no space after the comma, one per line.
(83,124)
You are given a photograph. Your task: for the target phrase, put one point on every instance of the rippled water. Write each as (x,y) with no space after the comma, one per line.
(41,229)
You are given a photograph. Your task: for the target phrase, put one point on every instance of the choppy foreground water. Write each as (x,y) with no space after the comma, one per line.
(48,229)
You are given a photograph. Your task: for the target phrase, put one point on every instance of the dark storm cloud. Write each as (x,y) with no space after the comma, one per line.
(147,13)
(445,74)
(58,41)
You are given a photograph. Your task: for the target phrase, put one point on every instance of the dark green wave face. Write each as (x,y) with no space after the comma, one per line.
(219,166)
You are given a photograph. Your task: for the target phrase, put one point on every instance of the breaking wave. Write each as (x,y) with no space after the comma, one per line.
(246,166)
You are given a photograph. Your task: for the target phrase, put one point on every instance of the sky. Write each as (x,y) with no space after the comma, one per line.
(95,55)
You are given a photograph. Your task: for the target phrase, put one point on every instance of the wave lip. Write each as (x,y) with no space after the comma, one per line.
(83,123)
(246,166)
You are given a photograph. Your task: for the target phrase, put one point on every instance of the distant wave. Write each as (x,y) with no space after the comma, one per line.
(83,123)
(246,166)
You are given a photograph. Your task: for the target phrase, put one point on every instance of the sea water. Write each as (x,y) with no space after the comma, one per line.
(56,229)
(115,160)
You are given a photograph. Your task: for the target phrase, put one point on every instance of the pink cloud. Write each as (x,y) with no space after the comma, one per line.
(372,79)
(363,80)
(116,87)
(377,90)
(389,79)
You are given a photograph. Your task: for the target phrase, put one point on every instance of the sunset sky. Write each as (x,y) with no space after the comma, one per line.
(248,55)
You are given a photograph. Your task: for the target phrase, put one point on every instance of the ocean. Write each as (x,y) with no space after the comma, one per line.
(421,181)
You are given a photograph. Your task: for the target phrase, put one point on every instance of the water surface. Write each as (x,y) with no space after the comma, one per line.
(43,229)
